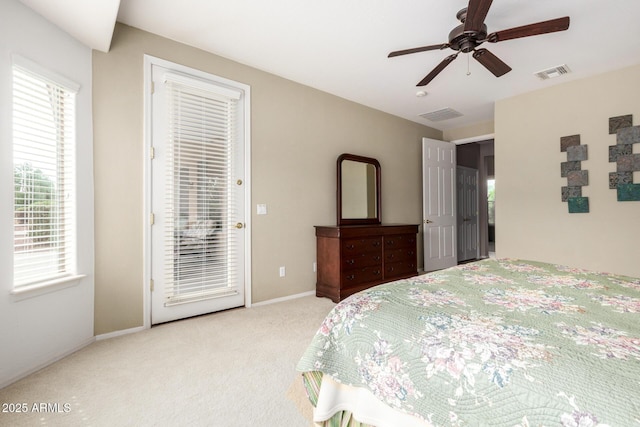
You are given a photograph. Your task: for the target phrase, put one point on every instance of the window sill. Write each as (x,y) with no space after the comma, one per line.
(30,291)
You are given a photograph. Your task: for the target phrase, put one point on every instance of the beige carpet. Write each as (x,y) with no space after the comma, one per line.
(233,368)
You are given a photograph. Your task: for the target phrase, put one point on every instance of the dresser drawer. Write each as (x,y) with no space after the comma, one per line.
(361,275)
(398,269)
(400,241)
(400,254)
(352,247)
(360,260)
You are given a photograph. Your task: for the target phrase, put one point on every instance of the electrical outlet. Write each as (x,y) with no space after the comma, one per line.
(315,267)
(282,271)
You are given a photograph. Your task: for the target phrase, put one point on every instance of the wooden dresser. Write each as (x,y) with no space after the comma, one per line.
(355,257)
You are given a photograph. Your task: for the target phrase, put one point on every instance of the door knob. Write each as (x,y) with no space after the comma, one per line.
(428,221)
(239,225)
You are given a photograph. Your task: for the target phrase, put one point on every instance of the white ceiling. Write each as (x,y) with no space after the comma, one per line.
(341,46)
(91,22)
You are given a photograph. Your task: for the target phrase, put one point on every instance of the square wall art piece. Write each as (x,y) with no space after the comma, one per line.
(578,204)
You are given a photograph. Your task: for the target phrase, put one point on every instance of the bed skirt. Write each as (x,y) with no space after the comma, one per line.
(339,405)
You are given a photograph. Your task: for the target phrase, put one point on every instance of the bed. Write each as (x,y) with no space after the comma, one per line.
(491,343)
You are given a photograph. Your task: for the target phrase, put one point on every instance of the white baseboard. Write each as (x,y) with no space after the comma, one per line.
(119,333)
(281,299)
(50,360)
(142,328)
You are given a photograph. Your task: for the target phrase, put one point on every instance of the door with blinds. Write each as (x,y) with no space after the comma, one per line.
(198,195)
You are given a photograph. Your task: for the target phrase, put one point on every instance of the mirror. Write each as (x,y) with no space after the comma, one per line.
(358,190)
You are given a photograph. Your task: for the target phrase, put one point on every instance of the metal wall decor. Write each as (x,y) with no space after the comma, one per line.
(626,161)
(576,177)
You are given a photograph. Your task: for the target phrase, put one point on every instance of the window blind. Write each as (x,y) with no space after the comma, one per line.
(43,158)
(200,244)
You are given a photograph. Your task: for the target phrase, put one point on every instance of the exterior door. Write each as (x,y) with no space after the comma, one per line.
(197,197)
(467,209)
(439,204)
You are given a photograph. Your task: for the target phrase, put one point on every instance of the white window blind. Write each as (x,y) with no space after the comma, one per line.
(199,208)
(43,159)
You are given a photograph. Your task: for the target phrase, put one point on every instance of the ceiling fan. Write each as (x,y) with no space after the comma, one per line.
(473,32)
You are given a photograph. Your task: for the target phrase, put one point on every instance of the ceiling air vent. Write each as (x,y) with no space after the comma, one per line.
(553,72)
(439,115)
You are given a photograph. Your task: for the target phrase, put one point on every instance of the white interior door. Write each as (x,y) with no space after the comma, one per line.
(197,196)
(439,204)
(467,213)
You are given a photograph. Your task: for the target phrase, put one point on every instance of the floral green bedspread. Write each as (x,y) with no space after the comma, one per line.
(492,343)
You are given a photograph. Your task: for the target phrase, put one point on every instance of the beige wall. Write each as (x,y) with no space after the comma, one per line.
(297,134)
(531,220)
(471,131)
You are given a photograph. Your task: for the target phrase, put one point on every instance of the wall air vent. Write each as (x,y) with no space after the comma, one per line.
(443,114)
(553,72)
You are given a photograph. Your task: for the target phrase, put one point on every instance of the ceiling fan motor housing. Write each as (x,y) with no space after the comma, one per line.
(466,41)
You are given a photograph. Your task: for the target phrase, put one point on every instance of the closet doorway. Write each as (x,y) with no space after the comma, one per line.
(477,154)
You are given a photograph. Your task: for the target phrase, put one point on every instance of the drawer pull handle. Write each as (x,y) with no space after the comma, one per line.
(351,261)
(350,246)
(351,277)
(376,244)
(376,258)
(377,272)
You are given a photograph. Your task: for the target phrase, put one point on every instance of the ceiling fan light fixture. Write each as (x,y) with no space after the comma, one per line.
(421,93)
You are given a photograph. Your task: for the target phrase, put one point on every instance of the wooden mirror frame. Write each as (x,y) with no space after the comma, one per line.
(358,221)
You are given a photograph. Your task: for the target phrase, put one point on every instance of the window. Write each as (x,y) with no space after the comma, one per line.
(43,164)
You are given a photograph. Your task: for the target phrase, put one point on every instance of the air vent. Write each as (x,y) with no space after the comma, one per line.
(553,72)
(439,115)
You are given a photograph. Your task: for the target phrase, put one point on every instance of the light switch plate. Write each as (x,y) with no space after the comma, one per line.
(262,209)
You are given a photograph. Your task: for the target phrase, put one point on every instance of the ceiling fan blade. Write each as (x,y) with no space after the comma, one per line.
(418,49)
(551,26)
(491,62)
(441,66)
(476,13)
